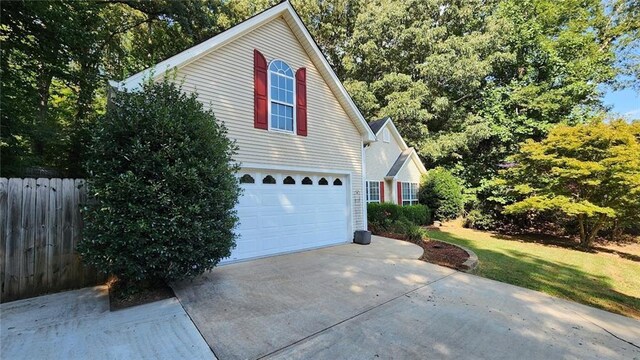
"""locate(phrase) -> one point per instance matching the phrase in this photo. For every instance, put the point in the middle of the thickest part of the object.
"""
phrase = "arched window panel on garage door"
(247, 179)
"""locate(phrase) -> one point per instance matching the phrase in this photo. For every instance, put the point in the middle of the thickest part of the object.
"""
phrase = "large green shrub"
(417, 214)
(163, 186)
(442, 193)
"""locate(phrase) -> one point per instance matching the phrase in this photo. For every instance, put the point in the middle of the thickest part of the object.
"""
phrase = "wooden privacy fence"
(40, 226)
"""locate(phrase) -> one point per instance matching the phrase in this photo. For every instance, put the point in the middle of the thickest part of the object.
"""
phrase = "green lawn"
(607, 279)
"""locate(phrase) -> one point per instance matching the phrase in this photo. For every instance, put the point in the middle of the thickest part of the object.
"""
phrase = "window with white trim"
(409, 193)
(373, 191)
(281, 96)
(386, 136)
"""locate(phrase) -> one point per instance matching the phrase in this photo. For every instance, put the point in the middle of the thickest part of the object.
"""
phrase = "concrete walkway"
(378, 301)
(78, 325)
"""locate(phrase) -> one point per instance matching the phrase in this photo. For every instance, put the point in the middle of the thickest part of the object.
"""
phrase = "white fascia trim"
(396, 133)
(383, 125)
(414, 156)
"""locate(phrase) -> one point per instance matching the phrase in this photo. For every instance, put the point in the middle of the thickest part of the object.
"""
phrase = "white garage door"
(282, 212)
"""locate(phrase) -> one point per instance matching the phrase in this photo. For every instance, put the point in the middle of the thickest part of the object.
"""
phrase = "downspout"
(364, 196)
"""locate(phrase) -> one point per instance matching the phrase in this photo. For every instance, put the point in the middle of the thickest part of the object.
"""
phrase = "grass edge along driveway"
(600, 279)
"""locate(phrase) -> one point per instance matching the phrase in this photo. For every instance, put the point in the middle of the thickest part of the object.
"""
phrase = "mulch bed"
(438, 252)
(152, 293)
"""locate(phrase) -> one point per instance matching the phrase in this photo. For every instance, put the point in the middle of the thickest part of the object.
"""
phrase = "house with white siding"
(393, 169)
(301, 138)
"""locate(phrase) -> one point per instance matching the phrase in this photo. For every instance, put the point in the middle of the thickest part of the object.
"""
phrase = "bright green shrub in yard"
(163, 185)
(442, 193)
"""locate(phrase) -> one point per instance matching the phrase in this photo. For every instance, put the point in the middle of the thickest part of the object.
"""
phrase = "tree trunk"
(583, 236)
(44, 83)
(587, 237)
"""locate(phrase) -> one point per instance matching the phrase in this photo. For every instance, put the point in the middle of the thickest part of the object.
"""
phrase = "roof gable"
(402, 160)
(386, 122)
(285, 10)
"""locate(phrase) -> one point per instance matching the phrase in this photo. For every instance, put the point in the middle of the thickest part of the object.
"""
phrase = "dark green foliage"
(401, 220)
(163, 186)
(417, 214)
(476, 219)
(379, 214)
(413, 232)
(442, 192)
(386, 213)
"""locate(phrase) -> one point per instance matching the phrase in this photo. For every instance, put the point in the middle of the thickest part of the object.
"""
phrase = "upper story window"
(386, 136)
(281, 95)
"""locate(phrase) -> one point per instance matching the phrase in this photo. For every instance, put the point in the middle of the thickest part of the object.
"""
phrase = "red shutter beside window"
(381, 191)
(399, 193)
(260, 101)
(301, 101)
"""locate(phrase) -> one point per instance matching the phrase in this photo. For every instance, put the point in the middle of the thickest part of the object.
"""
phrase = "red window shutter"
(399, 193)
(381, 191)
(260, 101)
(301, 101)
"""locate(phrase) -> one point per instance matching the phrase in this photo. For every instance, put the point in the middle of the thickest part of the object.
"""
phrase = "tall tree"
(588, 172)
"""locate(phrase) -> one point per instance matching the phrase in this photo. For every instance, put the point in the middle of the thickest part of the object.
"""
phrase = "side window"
(373, 191)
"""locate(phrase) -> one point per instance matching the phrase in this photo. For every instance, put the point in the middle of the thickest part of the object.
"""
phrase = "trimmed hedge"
(388, 212)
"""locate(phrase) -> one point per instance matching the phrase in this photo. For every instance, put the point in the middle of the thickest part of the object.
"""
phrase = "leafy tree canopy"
(590, 172)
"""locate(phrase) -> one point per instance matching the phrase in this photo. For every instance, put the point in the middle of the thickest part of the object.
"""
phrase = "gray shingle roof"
(376, 125)
(402, 158)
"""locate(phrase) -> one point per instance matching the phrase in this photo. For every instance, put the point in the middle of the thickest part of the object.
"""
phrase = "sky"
(624, 102)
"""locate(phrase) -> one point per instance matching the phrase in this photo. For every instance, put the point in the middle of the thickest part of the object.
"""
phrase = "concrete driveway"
(78, 325)
(378, 301)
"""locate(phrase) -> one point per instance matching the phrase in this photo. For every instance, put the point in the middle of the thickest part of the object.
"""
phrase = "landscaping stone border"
(471, 263)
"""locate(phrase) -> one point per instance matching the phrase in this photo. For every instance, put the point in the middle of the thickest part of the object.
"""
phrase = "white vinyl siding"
(223, 80)
(373, 191)
(410, 172)
(409, 193)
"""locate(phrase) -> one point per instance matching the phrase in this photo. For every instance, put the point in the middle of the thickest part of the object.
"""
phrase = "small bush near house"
(417, 214)
(400, 220)
(442, 193)
(162, 176)
(386, 213)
